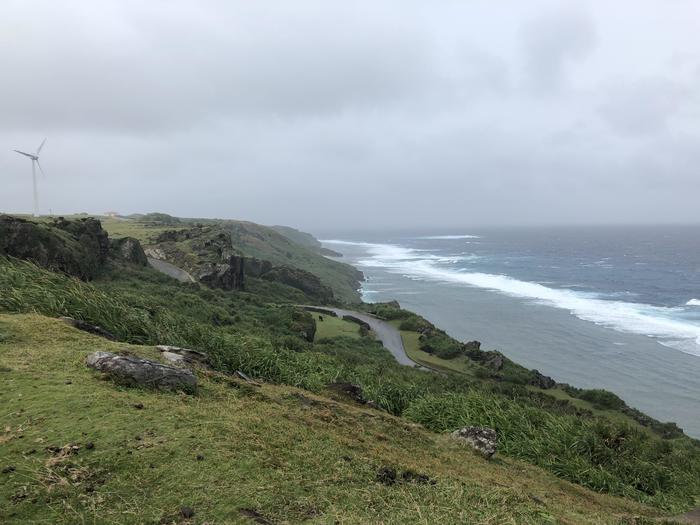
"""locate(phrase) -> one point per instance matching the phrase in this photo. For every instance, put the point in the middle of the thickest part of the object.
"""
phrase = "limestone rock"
(482, 439)
(183, 356)
(542, 381)
(226, 276)
(130, 250)
(134, 371)
(77, 247)
(256, 267)
(89, 328)
(307, 282)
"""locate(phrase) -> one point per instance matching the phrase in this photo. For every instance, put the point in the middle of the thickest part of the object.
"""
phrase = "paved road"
(171, 270)
(386, 333)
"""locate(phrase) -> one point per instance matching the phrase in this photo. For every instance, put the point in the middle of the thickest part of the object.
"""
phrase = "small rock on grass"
(482, 439)
(186, 512)
(134, 371)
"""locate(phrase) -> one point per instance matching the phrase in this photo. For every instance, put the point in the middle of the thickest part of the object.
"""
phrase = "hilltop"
(330, 427)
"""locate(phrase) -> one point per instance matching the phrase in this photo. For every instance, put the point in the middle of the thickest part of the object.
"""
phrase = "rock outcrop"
(482, 439)
(204, 252)
(76, 247)
(226, 276)
(134, 371)
(253, 267)
(89, 328)
(207, 253)
(128, 249)
(542, 381)
(183, 356)
(302, 280)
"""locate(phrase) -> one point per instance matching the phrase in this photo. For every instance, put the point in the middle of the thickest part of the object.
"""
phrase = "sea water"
(597, 307)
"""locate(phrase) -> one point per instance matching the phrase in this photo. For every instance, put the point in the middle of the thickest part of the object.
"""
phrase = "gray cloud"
(326, 114)
(554, 41)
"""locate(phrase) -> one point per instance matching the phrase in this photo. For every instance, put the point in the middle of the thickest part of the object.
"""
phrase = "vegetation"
(239, 453)
(606, 455)
(328, 327)
(588, 437)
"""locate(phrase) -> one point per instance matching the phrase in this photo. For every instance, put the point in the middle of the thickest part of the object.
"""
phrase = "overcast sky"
(378, 113)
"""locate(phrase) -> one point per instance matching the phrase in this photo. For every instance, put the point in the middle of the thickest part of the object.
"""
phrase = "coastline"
(661, 381)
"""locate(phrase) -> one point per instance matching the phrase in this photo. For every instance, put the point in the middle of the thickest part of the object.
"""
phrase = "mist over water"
(615, 308)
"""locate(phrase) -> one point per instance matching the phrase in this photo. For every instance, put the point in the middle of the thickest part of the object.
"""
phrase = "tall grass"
(601, 454)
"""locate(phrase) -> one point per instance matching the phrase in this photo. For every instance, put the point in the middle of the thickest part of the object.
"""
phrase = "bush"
(600, 454)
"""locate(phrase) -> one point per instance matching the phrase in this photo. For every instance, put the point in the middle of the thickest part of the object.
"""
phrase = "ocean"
(597, 307)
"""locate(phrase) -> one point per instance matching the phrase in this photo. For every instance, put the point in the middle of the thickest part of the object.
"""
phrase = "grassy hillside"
(239, 453)
(261, 242)
(271, 341)
(264, 243)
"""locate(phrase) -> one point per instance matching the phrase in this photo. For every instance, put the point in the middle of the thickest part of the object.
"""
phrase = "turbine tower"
(35, 163)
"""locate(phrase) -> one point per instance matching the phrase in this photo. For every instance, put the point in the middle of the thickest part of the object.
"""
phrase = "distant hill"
(270, 244)
(306, 240)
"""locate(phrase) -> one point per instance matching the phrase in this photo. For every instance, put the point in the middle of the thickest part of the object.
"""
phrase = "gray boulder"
(482, 439)
(183, 356)
(130, 250)
(134, 371)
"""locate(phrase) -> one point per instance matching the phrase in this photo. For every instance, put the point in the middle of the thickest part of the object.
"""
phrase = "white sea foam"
(654, 321)
(449, 237)
(693, 302)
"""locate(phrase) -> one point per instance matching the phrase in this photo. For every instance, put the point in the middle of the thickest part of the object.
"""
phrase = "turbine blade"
(40, 146)
(25, 154)
(40, 168)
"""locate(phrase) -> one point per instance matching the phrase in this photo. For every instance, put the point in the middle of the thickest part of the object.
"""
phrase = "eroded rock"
(183, 356)
(482, 439)
(129, 250)
(542, 381)
(134, 371)
(89, 328)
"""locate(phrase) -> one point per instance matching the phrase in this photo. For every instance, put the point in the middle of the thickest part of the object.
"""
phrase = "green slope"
(261, 242)
(265, 243)
(238, 453)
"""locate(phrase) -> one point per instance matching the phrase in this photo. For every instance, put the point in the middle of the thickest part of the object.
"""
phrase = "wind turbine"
(35, 163)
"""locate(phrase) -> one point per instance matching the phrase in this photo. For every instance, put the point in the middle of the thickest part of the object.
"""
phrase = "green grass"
(143, 231)
(275, 452)
(242, 332)
(329, 327)
(460, 365)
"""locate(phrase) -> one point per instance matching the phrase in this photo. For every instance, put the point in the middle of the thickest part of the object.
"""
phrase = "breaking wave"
(450, 237)
(637, 318)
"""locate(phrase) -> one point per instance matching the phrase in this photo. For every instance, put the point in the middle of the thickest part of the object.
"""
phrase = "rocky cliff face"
(128, 249)
(79, 248)
(301, 280)
(207, 253)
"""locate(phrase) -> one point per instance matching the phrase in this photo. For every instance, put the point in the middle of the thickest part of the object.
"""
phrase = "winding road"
(387, 333)
(171, 270)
